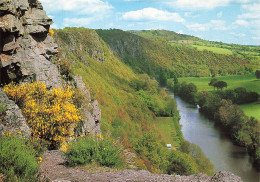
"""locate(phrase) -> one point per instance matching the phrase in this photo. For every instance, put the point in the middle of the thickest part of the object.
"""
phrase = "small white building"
(169, 146)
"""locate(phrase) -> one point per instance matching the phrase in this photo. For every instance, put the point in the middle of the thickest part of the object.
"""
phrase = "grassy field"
(216, 50)
(252, 109)
(248, 81)
(169, 130)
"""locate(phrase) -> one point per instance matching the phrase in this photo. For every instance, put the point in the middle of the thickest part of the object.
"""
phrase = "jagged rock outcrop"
(13, 120)
(26, 48)
(90, 111)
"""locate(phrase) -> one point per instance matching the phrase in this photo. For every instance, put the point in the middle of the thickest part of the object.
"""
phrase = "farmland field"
(252, 109)
(214, 49)
(248, 81)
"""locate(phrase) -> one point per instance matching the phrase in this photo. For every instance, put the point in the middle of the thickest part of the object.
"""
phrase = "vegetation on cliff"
(129, 101)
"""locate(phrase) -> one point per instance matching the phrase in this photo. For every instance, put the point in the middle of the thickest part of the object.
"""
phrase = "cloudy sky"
(229, 21)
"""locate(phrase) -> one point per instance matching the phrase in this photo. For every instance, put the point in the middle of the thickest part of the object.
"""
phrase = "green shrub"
(182, 164)
(2, 108)
(204, 164)
(151, 147)
(39, 145)
(86, 150)
(17, 159)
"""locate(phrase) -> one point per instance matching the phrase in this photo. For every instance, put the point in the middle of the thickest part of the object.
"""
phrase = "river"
(216, 146)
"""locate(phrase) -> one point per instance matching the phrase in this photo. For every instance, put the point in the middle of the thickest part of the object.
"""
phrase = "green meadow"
(216, 50)
(248, 81)
(169, 130)
(252, 109)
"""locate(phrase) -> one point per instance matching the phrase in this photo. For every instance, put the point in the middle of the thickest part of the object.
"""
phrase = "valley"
(95, 101)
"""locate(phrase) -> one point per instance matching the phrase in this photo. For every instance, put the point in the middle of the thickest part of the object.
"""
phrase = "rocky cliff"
(26, 51)
(13, 120)
(26, 48)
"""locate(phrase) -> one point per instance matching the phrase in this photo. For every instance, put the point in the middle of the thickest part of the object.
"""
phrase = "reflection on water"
(217, 147)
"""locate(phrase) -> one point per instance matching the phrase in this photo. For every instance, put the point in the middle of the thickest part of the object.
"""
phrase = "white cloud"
(77, 22)
(202, 4)
(197, 27)
(190, 15)
(152, 14)
(77, 6)
(253, 11)
(213, 24)
(219, 15)
(180, 32)
(55, 26)
(241, 22)
(238, 34)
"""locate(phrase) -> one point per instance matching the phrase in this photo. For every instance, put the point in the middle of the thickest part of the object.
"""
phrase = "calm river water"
(216, 146)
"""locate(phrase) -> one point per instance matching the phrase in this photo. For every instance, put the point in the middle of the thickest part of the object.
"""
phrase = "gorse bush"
(86, 150)
(50, 114)
(17, 159)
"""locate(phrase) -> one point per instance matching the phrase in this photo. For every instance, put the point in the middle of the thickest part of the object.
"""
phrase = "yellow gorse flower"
(49, 114)
(51, 32)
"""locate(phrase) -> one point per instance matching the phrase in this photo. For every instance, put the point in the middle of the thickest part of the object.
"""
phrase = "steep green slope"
(248, 52)
(165, 35)
(129, 102)
(160, 59)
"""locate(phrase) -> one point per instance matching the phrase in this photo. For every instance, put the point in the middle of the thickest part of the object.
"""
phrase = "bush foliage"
(18, 159)
(86, 150)
(2, 108)
(49, 114)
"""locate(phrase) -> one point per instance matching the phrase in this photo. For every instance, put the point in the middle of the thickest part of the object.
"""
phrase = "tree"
(212, 82)
(257, 74)
(220, 84)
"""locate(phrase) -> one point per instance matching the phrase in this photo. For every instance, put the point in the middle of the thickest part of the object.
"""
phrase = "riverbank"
(196, 128)
(218, 107)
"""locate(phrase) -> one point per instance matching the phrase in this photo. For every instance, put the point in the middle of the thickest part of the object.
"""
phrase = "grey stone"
(26, 49)
(90, 112)
(13, 120)
(10, 23)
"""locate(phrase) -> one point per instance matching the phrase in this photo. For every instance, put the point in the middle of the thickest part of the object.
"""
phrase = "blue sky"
(229, 21)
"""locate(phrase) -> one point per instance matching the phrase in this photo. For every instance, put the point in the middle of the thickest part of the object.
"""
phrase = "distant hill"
(249, 52)
(165, 35)
(150, 52)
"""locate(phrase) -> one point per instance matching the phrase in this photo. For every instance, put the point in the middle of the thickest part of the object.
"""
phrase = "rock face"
(90, 111)
(26, 48)
(13, 120)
